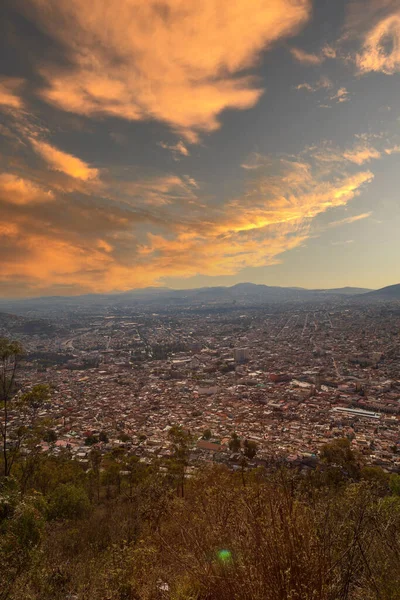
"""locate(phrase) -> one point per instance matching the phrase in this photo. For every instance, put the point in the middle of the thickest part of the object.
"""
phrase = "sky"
(185, 144)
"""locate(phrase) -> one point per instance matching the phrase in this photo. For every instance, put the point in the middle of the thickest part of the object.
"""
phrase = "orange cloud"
(248, 235)
(255, 161)
(9, 92)
(61, 161)
(45, 260)
(324, 83)
(178, 149)
(381, 47)
(349, 220)
(302, 195)
(16, 190)
(219, 254)
(273, 216)
(125, 246)
(8, 230)
(342, 95)
(314, 59)
(156, 191)
(362, 154)
(306, 58)
(393, 150)
(177, 62)
(329, 51)
(377, 24)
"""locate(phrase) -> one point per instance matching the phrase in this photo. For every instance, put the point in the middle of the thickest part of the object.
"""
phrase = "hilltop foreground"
(148, 533)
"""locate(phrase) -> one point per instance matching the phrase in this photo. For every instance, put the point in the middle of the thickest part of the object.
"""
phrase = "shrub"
(68, 502)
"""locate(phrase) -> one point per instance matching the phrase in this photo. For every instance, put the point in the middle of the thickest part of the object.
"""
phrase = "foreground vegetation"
(123, 530)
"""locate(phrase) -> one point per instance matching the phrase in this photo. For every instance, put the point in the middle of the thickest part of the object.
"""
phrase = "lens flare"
(224, 555)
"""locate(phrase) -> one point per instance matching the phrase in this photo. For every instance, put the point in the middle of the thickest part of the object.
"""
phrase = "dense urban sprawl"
(289, 378)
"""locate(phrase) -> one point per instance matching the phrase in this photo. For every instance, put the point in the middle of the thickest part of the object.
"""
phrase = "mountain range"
(242, 294)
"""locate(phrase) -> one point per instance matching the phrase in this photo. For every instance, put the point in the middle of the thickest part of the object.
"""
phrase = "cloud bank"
(133, 232)
(178, 61)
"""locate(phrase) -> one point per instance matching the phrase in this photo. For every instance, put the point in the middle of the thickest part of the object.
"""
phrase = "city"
(290, 378)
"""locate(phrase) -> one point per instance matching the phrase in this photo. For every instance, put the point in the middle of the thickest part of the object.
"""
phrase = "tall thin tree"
(10, 354)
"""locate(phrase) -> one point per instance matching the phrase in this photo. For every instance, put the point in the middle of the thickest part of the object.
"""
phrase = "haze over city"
(190, 144)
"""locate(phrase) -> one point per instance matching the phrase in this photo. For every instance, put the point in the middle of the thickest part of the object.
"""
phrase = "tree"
(249, 449)
(248, 453)
(103, 437)
(180, 446)
(394, 484)
(234, 443)
(94, 475)
(21, 534)
(30, 433)
(34, 400)
(340, 454)
(91, 440)
(377, 477)
(10, 354)
(50, 436)
(111, 476)
(134, 472)
(27, 428)
(207, 434)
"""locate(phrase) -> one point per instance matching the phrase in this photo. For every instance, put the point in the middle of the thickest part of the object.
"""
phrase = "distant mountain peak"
(390, 292)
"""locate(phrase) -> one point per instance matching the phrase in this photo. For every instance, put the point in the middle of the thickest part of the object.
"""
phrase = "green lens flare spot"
(224, 555)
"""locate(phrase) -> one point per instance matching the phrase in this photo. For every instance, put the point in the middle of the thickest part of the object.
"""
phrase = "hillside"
(118, 529)
(345, 291)
(16, 324)
(391, 292)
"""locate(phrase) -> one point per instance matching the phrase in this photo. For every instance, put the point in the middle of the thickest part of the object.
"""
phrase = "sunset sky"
(186, 143)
